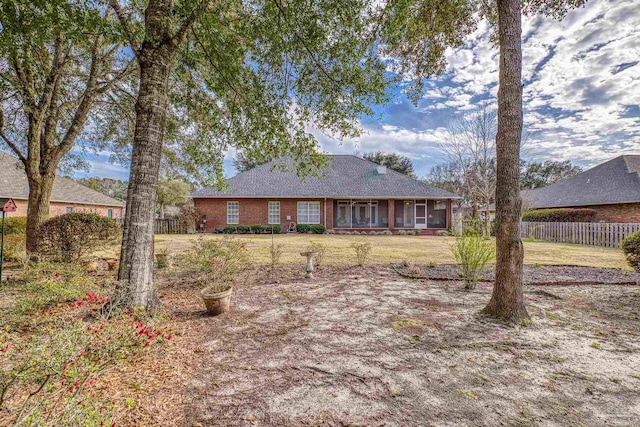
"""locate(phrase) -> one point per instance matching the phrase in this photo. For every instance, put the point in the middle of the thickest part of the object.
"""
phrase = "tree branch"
(178, 38)
(125, 26)
(8, 141)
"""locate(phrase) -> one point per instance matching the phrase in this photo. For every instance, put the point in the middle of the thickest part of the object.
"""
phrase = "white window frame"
(109, 213)
(273, 212)
(231, 206)
(304, 213)
(68, 209)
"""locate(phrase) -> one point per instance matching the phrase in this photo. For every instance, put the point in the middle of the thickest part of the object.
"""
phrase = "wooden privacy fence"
(608, 234)
(164, 226)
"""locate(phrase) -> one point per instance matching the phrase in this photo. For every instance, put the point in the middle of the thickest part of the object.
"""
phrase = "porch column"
(392, 214)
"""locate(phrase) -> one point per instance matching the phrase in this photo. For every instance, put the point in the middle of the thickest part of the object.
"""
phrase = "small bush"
(362, 250)
(321, 249)
(189, 218)
(71, 236)
(217, 261)
(303, 228)
(318, 229)
(472, 253)
(14, 247)
(560, 215)
(631, 249)
(252, 229)
(15, 225)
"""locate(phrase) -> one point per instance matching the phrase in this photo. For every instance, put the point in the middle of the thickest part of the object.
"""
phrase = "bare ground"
(367, 347)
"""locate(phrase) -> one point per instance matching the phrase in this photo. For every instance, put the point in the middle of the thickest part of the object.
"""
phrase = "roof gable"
(346, 176)
(615, 181)
(14, 184)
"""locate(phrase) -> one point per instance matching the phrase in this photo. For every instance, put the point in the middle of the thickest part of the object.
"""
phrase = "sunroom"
(384, 214)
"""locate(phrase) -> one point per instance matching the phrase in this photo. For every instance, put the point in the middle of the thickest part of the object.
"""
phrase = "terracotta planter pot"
(216, 302)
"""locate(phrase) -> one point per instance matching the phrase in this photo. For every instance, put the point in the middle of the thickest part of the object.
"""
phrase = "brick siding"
(255, 211)
(57, 208)
(623, 212)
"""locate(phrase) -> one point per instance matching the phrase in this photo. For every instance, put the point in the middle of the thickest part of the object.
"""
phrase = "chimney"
(382, 170)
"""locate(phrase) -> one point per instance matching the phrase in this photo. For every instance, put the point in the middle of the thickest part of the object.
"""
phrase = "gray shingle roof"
(14, 184)
(615, 181)
(346, 176)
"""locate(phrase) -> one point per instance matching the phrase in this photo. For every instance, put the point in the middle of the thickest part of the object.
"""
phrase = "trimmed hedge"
(68, 237)
(251, 229)
(631, 249)
(561, 215)
(311, 228)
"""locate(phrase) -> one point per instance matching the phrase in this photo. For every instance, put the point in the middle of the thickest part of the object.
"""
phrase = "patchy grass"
(396, 249)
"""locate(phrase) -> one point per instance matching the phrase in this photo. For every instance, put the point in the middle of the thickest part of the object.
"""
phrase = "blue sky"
(581, 94)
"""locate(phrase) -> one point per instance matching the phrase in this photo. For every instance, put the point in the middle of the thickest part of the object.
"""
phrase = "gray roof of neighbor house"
(346, 176)
(14, 184)
(615, 181)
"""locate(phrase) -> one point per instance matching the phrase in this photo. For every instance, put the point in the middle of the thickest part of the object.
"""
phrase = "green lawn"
(394, 249)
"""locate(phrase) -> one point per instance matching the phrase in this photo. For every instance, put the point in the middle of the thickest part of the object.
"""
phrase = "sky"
(581, 94)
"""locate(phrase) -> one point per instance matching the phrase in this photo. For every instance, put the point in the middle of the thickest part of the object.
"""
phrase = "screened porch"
(361, 214)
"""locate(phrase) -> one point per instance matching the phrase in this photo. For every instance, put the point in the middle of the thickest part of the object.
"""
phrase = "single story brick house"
(612, 189)
(66, 196)
(350, 194)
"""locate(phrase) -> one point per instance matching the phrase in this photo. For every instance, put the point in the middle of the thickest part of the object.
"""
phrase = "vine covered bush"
(631, 249)
(69, 237)
(560, 215)
(15, 225)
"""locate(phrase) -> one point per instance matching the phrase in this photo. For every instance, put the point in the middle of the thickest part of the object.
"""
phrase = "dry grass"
(396, 249)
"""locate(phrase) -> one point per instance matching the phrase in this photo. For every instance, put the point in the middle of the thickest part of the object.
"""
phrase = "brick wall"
(254, 211)
(624, 212)
(56, 208)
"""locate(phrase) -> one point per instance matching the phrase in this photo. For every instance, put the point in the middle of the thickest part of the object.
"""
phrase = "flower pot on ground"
(216, 302)
(217, 263)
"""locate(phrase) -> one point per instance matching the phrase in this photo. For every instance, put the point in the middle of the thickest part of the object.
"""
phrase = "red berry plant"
(48, 375)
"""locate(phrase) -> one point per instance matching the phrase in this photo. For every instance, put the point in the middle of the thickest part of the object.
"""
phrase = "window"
(233, 212)
(274, 212)
(69, 209)
(309, 212)
(109, 213)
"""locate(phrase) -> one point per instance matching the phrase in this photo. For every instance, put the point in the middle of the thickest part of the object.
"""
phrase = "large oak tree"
(60, 64)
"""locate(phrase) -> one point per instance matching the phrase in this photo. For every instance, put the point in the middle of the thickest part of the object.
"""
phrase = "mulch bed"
(545, 275)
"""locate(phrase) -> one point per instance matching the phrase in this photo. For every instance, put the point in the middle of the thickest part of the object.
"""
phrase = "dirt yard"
(368, 347)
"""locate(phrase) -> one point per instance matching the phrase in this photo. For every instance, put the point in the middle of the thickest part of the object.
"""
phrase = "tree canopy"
(394, 161)
(540, 174)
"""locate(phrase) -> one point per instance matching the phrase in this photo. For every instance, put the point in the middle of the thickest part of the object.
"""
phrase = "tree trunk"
(136, 257)
(507, 301)
(38, 209)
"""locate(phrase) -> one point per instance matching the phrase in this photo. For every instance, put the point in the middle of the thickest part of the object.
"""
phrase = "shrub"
(362, 250)
(15, 225)
(71, 236)
(303, 228)
(189, 217)
(560, 215)
(14, 247)
(321, 249)
(472, 253)
(252, 229)
(217, 261)
(631, 249)
(318, 229)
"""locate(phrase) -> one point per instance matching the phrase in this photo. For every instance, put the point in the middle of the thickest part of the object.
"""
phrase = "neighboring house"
(612, 189)
(350, 194)
(66, 196)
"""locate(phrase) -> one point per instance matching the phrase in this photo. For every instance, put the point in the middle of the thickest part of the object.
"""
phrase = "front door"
(421, 214)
